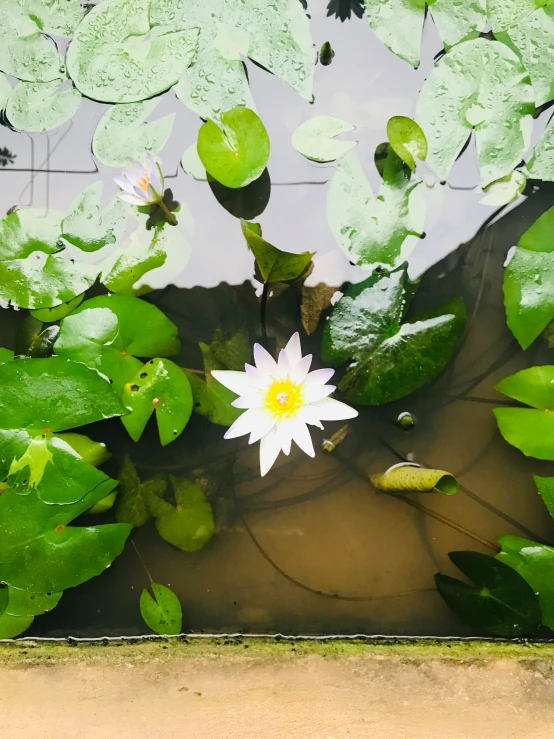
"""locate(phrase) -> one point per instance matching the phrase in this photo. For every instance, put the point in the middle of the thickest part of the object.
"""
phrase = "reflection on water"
(312, 548)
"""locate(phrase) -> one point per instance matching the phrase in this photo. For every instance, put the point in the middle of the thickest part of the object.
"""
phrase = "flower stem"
(263, 308)
(168, 214)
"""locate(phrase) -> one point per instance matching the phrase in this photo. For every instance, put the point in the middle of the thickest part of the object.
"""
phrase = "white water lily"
(281, 400)
(141, 184)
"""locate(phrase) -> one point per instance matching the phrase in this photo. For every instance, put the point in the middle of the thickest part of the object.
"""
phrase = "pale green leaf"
(25, 52)
(407, 140)
(192, 164)
(314, 138)
(541, 164)
(85, 227)
(41, 106)
(505, 190)
(51, 315)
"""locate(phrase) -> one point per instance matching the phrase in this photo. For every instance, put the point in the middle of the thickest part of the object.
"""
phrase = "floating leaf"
(483, 85)
(529, 282)
(535, 563)
(41, 106)
(86, 228)
(389, 359)
(32, 274)
(192, 164)
(505, 190)
(118, 55)
(373, 230)
(545, 486)
(93, 452)
(314, 139)
(12, 626)
(314, 301)
(132, 501)
(25, 52)
(504, 14)
(6, 355)
(502, 603)
(412, 478)
(63, 556)
(122, 134)
(399, 23)
(541, 164)
(237, 153)
(22, 603)
(161, 386)
(529, 429)
(189, 525)
(59, 17)
(407, 140)
(162, 613)
(274, 265)
(51, 315)
(110, 331)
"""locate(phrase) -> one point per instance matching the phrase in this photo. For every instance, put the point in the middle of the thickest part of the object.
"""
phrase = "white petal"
(153, 195)
(144, 196)
(130, 198)
(256, 377)
(156, 182)
(284, 433)
(329, 409)
(269, 451)
(301, 436)
(318, 377)
(293, 349)
(251, 399)
(238, 382)
(283, 364)
(317, 392)
(299, 371)
(245, 424)
(265, 423)
(124, 184)
(264, 360)
(308, 414)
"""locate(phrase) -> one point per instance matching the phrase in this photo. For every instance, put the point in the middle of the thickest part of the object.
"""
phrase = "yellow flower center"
(143, 183)
(284, 398)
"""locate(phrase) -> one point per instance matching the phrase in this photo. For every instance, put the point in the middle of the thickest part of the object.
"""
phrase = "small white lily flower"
(141, 184)
(281, 399)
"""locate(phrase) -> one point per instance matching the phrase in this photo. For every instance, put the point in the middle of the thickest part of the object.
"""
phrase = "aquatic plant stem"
(168, 214)
(263, 308)
(142, 561)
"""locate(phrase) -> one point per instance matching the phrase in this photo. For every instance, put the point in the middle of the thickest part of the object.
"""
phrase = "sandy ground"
(275, 696)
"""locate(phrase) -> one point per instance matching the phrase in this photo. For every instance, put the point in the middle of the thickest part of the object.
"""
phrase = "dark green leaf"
(132, 501)
(411, 478)
(274, 265)
(389, 359)
(33, 340)
(159, 385)
(88, 229)
(12, 626)
(502, 603)
(4, 597)
(237, 153)
(51, 315)
(407, 140)
(162, 613)
(23, 603)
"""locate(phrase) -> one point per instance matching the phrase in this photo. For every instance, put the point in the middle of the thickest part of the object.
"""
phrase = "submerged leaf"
(86, 228)
(132, 501)
(407, 140)
(314, 301)
(237, 153)
(529, 429)
(123, 136)
(314, 138)
(501, 604)
(274, 265)
(162, 613)
(412, 478)
(388, 359)
(371, 230)
(479, 84)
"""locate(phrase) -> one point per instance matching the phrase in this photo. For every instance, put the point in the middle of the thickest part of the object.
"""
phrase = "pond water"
(312, 548)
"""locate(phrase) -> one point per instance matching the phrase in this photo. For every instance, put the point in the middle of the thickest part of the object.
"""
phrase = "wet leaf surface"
(36, 107)
(51, 315)
(85, 227)
(314, 138)
(412, 478)
(162, 613)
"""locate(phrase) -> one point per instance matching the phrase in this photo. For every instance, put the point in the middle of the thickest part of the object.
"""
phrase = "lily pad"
(535, 563)
(505, 190)
(93, 452)
(529, 282)
(22, 603)
(238, 152)
(162, 613)
(32, 273)
(12, 626)
(63, 556)
(371, 230)
(25, 52)
(188, 525)
(123, 136)
(529, 429)
(504, 14)
(479, 85)
(274, 265)
(314, 139)
(545, 486)
(86, 228)
(192, 164)
(132, 501)
(541, 164)
(389, 359)
(59, 17)
(110, 331)
(51, 315)
(501, 603)
(407, 140)
(32, 339)
(6, 355)
(41, 106)
(118, 56)
(412, 478)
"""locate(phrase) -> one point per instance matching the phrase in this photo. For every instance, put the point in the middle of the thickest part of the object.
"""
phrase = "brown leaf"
(314, 301)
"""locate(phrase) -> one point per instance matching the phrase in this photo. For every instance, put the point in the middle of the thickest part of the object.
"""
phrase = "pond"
(312, 547)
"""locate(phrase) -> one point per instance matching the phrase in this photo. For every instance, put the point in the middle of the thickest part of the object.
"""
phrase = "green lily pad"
(32, 273)
(93, 452)
(504, 14)
(274, 265)
(63, 556)
(529, 282)
(529, 429)
(110, 331)
(25, 52)
(59, 17)
(22, 603)
(6, 355)
(371, 230)
(158, 386)
(41, 106)
(118, 56)
(314, 139)
(52, 315)
(407, 140)
(4, 597)
(389, 359)
(545, 486)
(123, 136)
(12, 626)
(237, 153)
(535, 563)
(505, 190)
(541, 164)
(479, 85)
(411, 478)
(501, 603)
(161, 613)
(132, 501)
(188, 525)
(86, 228)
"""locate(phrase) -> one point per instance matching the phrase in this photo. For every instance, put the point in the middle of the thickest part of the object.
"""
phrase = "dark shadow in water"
(343, 9)
(244, 202)
(6, 157)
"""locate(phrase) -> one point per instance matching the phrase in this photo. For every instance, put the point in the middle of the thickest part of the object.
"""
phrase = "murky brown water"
(312, 548)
